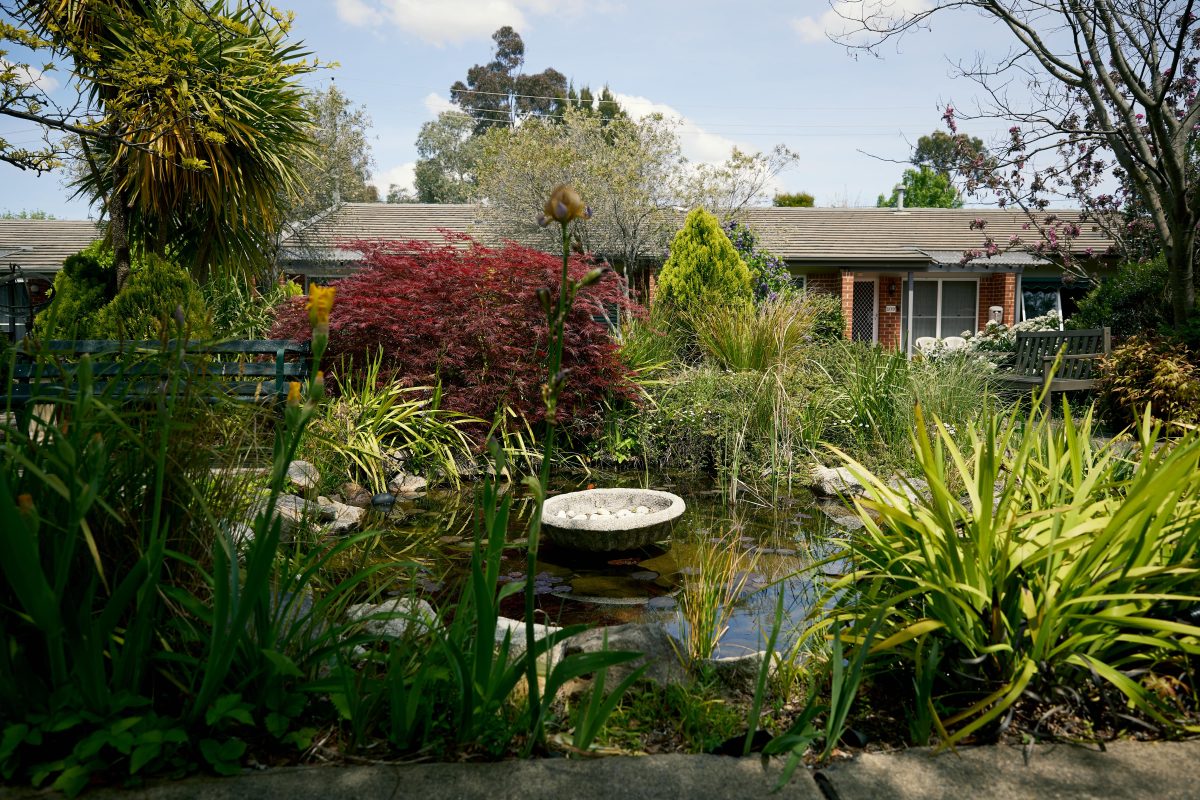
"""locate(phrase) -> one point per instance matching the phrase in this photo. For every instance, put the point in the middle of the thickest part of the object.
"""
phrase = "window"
(941, 307)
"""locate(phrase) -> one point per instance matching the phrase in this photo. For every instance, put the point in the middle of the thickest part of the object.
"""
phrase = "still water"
(774, 541)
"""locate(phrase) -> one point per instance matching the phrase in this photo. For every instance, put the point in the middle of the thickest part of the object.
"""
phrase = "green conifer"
(703, 269)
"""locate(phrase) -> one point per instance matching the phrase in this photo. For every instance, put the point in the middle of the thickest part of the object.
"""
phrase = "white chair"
(926, 344)
(954, 342)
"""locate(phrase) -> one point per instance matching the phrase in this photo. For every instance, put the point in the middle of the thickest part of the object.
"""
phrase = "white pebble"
(603, 512)
(623, 512)
(641, 510)
(561, 513)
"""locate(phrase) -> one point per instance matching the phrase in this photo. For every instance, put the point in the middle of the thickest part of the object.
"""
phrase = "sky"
(750, 74)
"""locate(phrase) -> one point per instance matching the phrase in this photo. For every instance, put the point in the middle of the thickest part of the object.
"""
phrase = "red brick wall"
(889, 322)
(824, 283)
(847, 292)
(998, 289)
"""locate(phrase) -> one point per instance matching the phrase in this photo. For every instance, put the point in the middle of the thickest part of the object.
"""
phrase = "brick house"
(879, 261)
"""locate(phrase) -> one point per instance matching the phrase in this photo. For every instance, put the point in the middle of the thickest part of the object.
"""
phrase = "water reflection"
(782, 536)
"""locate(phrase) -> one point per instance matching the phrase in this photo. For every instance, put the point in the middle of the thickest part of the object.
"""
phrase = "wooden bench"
(255, 370)
(1038, 350)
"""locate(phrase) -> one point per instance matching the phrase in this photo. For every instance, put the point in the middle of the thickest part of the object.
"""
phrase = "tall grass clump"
(1066, 571)
(370, 418)
(755, 338)
(723, 572)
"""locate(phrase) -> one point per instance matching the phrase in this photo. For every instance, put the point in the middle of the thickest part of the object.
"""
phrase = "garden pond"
(759, 545)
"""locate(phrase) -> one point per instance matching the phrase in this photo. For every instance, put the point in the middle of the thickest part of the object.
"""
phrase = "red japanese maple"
(468, 316)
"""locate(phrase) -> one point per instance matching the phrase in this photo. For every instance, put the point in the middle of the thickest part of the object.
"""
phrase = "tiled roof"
(41, 245)
(842, 236)
(845, 235)
(381, 221)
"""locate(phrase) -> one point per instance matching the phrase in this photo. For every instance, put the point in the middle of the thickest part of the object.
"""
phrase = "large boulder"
(834, 482)
(514, 631)
(346, 519)
(395, 618)
(664, 654)
(355, 495)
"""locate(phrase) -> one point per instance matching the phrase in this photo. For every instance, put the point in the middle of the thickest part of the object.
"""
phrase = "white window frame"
(940, 279)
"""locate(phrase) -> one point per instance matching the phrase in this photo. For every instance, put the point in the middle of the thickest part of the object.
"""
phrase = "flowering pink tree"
(1111, 94)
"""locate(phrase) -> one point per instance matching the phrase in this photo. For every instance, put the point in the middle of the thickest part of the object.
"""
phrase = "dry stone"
(834, 482)
(403, 484)
(303, 475)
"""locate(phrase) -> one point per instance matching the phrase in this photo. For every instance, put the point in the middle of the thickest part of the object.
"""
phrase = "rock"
(514, 629)
(739, 674)
(242, 533)
(659, 649)
(303, 475)
(912, 488)
(383, 501)
(404, 614)
(293, 512)
(355, 495)
(841, 516)
(404, 485)
(835, 482)
(346, 518)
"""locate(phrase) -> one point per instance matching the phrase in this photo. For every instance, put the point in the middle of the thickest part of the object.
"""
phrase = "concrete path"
(1161, 770)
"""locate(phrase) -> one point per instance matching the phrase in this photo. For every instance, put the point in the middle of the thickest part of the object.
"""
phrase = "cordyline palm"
(201, 128)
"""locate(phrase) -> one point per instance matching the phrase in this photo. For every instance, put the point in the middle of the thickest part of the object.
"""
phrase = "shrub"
(85, 284)
(1036, 563)
(769, 274)
(1134, 300)
(87, 304)
(153, 291)
(467, 316)
(829, 323)
(703, 270)
(1154, 371)
(240, 310)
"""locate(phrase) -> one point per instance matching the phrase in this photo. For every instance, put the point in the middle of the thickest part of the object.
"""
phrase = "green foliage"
(792, 200)
(703, 271)
(26, 214)
(499, 90)
(447, 152)
(829, 321)
(85, 284)
(370, 418)
(747, 337)
(947, 154)
(923, 188)
(240, 310)
(86, 307)
(341, 163)
(156, 288)
(1150, 371)
(1036, 562)
(1133, 301)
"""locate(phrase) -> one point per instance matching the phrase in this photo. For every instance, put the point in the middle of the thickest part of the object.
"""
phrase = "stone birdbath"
(601, 520)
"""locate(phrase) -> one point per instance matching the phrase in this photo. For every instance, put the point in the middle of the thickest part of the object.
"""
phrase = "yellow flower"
(320, 303)
(293, 398)
(563, 206)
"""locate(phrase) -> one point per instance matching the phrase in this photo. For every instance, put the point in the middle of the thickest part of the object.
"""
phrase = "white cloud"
(358, 13)
(435, 104)
(403, 176)
(40, 79)
(441, 22)
(698, 144)
(839, 19)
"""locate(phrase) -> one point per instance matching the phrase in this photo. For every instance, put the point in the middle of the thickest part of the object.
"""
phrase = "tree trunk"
(1180, 255)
